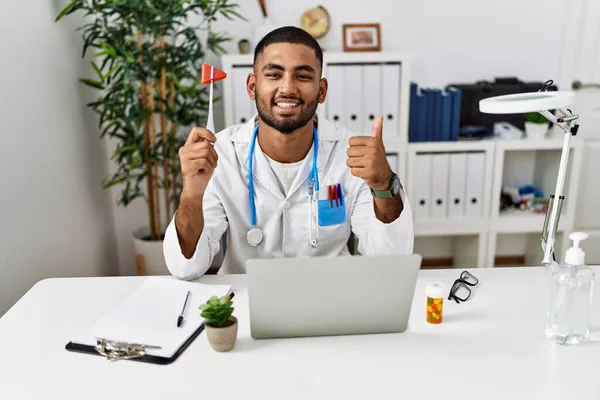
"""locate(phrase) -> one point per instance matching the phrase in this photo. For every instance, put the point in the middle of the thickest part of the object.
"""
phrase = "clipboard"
(169, 294)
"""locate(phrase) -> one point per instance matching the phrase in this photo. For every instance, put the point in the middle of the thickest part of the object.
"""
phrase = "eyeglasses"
(460, 290)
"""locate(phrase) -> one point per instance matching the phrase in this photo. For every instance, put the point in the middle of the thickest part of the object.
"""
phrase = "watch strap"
(385, 194)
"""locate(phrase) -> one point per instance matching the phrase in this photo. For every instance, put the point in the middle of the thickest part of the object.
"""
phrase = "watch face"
(396, 185)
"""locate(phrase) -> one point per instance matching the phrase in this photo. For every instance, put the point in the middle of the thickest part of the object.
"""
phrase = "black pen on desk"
(180, 318)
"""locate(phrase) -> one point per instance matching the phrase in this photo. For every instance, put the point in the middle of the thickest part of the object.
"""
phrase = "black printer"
(474, 122)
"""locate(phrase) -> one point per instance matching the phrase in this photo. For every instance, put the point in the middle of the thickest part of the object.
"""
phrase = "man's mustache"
(288, 98)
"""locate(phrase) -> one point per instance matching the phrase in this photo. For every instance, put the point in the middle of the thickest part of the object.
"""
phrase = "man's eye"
(272, 75)
(304, 77)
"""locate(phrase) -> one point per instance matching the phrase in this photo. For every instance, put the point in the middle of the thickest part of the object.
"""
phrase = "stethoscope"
(256, 235)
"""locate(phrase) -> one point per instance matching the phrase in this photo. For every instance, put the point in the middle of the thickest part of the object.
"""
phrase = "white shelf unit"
(468, 242)
(531, 162)
(462, 238)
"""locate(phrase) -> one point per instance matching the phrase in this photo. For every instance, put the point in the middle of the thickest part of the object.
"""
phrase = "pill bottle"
(435, 302)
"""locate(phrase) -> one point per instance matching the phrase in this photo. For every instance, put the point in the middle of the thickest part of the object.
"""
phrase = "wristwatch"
(393, 191)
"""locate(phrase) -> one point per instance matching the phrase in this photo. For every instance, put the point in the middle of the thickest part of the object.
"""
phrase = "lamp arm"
(568, 124)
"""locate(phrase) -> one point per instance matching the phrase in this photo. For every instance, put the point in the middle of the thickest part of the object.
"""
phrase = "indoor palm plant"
(147, 63)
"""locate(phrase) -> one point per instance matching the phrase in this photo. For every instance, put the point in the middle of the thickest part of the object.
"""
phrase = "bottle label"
(434, 310)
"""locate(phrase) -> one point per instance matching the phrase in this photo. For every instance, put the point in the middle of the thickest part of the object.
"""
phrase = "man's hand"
(367, 160)
(198, 161)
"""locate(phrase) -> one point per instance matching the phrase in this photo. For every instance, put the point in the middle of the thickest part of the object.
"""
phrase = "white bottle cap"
(575, 255)
(435, 290)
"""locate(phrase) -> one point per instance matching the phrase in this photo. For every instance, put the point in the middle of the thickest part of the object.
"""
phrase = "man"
(256, 182)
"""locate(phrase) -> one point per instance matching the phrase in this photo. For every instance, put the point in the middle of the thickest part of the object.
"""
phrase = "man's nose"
(288, 86)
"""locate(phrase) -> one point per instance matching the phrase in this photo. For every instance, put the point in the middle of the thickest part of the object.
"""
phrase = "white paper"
(149, 315)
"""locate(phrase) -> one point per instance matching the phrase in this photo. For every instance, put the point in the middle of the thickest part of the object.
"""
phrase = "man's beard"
(287, 125)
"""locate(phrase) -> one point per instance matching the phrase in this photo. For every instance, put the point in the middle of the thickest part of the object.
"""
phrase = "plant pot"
(535, 130)
(222, 338)
(149, 256)
(244, 46)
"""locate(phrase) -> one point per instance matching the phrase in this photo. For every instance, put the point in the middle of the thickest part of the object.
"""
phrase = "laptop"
(327, 296)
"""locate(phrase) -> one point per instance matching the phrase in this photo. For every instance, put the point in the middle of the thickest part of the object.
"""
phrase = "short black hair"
(289, 34)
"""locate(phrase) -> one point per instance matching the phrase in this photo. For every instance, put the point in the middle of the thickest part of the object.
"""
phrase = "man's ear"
(322, 90)
(251, 86)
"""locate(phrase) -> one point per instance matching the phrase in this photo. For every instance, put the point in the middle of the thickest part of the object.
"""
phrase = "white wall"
(450, 41)
(55, 218)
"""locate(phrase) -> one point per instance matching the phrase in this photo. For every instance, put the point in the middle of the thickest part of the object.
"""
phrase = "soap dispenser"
(571, 290)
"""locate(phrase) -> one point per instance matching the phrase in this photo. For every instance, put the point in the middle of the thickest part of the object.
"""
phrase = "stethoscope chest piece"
(255, 236)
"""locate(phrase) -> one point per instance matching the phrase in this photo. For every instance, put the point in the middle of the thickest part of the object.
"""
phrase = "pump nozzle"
(575, 255)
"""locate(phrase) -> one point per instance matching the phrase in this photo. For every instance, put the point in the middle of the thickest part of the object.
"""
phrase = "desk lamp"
(542, 102)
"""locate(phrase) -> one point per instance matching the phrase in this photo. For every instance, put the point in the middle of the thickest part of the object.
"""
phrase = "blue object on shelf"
(531, 189)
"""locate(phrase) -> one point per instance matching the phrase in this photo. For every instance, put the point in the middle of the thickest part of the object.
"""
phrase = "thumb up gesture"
(367, 160)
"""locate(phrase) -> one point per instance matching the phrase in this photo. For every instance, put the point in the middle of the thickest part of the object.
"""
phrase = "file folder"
(335, 93)
(475, 177)
(423, 111)
(439, 185)
(446, 118)
(422, 189)
(458, 185)
(413, 123)
(353, 100)
(436, 116)
(147, 321)
(372, 97)
(391, 97)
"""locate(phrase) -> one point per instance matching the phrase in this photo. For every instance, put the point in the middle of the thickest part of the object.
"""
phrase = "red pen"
(335, 195)
(330, 195)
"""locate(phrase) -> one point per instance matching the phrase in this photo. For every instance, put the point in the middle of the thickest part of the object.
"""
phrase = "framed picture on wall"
(362, 37)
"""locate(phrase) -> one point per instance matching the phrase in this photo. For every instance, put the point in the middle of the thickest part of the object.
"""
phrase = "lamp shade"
(526, 102)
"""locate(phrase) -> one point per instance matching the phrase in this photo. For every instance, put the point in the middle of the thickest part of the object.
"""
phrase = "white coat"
(284, 220)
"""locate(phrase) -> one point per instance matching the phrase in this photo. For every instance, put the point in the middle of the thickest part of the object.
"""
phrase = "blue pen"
(339, 187)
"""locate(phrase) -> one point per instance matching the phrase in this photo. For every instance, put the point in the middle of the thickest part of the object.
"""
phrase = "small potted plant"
(536, 125)
(221, 327)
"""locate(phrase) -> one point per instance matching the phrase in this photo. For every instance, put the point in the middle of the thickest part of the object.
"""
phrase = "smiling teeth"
(286, 105)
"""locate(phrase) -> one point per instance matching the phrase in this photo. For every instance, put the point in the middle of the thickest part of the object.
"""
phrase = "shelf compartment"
(451, 251)
(514, 220)
(462, 226)
(521, 249)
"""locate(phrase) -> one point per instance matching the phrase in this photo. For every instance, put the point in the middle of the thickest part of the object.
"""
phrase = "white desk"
(491, 347)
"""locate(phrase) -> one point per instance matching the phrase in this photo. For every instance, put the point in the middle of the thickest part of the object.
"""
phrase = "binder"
(446, 119)
(144, 326)
(456, 95)
(439, 185)
(422, 189)
(353, 106)
(475, 176)
(335, 93)
(413, 125)
(458, 185)
(429, 111)
(436, 116)
(390, 103)
(242, 111)
(371, 83)
(423, 111)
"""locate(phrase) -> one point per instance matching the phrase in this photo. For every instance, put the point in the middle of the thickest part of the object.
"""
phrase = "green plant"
(535, 117)
(216, 311)
(147, 63)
